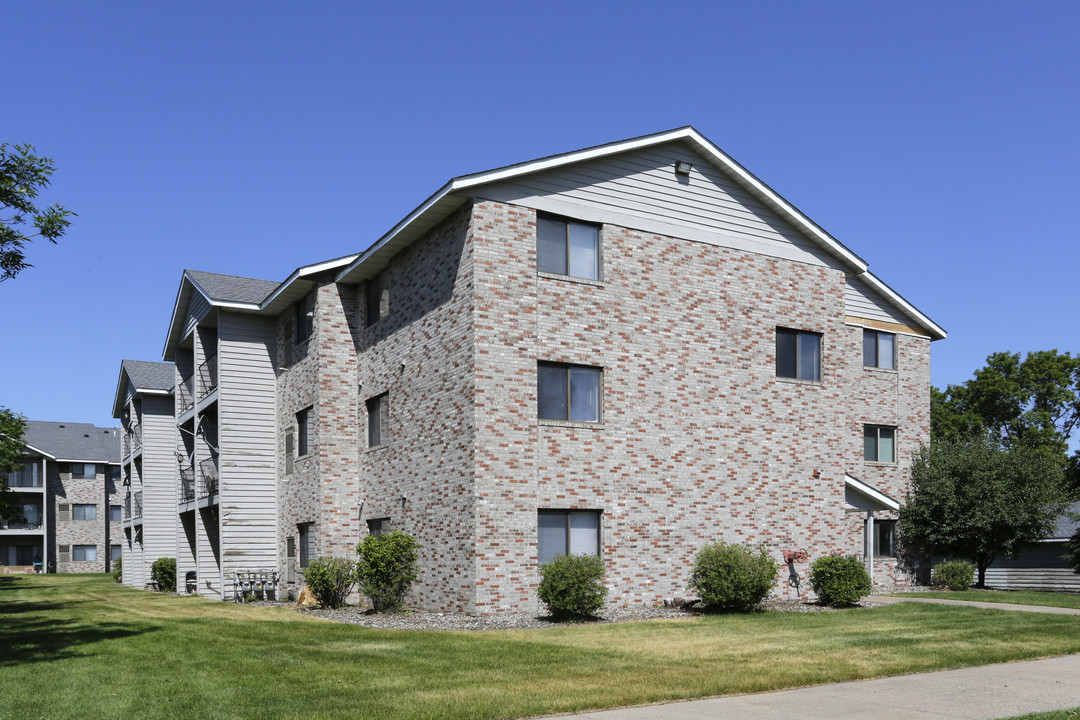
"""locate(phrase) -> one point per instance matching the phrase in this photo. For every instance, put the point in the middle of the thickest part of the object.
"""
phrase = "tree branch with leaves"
(23, 175)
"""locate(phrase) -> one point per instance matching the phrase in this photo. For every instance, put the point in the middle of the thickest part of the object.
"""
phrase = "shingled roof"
(145, 375)
(230, 288)
(74, 441)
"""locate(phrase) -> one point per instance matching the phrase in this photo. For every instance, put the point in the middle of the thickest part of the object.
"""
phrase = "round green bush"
(570, 586)
(955, 575)
(331, 580)
(839, 580)
(732, 578)
(163, 572)
(387, 569)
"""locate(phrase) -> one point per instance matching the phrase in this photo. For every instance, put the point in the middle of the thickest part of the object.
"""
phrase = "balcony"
(187, 481)
(185, 391)
(138, 505)
(208, 473)
(208, 376)
(133, 438)
(127, 506)
(27, 476)
(23, 524)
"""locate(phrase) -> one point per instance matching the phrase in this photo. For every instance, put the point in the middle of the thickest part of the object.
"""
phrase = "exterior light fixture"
(683, 168)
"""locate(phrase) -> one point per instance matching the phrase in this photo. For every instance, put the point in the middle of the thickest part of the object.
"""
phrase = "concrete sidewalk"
(914, 597)
(990, 691)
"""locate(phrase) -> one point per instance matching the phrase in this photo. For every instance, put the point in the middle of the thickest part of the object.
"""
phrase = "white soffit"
(871, 498)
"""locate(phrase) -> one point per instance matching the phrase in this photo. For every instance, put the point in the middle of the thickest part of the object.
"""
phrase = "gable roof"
(244, 294)
(153, 378)
(77, 442)
(458, 191)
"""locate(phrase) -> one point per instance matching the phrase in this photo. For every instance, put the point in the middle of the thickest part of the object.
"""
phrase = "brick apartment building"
(67, 489)
(629, 350)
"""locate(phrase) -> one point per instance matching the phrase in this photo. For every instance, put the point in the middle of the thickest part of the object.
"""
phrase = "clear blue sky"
(939, 141)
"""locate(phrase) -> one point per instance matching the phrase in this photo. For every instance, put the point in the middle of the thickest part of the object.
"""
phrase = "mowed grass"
(1017, 597)
(81, 646)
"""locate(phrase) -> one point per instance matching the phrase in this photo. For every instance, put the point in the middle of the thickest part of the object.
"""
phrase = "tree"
(978, 500)
(12, 427)
(22, 176)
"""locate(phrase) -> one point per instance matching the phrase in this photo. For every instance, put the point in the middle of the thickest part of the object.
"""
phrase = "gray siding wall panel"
(863, 302)
(640, 190)
(198, 308)
(159, 469)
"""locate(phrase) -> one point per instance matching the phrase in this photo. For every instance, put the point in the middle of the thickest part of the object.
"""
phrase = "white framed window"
(798, 354)
(83, 512)
(879, 349)
(566, 532)
(566, 247)
(568, 392)
(879, 444)
(378, 410)
(885, 537)
(84, 553)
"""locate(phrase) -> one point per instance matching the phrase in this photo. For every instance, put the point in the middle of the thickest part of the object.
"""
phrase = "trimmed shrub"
(732, 578)
(117, 570)
(387, 569)
(570, 586)
(163, 572)
(331, 580)
(839, 580)
(955, 575)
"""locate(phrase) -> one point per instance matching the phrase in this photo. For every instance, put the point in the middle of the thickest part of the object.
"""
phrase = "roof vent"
(86, 434)
(61, 425)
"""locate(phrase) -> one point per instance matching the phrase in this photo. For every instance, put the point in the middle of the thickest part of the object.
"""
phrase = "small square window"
(83, 471)
(879, 349)
(568, 392)
(305, 318)
(115, 552)
(378, 409)
(304, 435)
(879, 444)
(84, 553)
(378, 526)
(84, 512)
(565, 247)
(116, 513)
(307, 543)
(563, 532)
(798, 354)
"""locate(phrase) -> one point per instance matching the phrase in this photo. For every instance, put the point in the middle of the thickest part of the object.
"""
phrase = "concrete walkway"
(986, 692)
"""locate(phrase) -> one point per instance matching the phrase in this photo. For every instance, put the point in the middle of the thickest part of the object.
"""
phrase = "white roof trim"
(308, 270)
(876, 495)
(39, 452)
(898, 300)
(87, 460)
(791, 213)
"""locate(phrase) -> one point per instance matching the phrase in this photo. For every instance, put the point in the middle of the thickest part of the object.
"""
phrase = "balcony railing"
(27, 476)
(208, 376)
(186, 392)
(138, 504)
(20, 525)
(208, 473)
(187, 482)
(127, 506)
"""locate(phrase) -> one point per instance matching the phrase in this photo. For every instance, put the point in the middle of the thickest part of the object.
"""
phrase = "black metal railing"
(127, 506)
(208, 472)
(187, 483)
(138, 504)
(208, 375)
(20, 525)
(185, 391)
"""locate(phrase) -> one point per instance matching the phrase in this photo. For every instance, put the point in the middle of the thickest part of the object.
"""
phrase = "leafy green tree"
(977, 500)
(386, 569)
(22, 176)
(12, 427)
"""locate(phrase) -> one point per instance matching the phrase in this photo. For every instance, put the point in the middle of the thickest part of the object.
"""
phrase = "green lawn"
(1073, 714)
(78, 646)
(1019, 597)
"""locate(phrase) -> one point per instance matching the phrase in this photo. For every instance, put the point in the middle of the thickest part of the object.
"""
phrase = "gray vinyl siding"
(640, 190)
(861, 301)
(248, 440)
(197, 310)
(159, 478)
(1041, 568)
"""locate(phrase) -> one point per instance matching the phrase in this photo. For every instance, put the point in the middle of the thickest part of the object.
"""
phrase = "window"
(568, 392)
(84, 471)
(84, 512)
(378, 299)
(798, 354)
(378, 409)
(885, 537)
(290, 450)
(305, 318)
(879, 444)
(879, 349)
(378, 526)
(25, 476)
(564, 247)
(562, 532)
(115, 552)
(307, 543)
(85, 553)
(116, 513)
(303, 431)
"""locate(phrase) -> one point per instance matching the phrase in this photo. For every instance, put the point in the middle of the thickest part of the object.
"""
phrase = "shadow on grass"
(45, 640)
